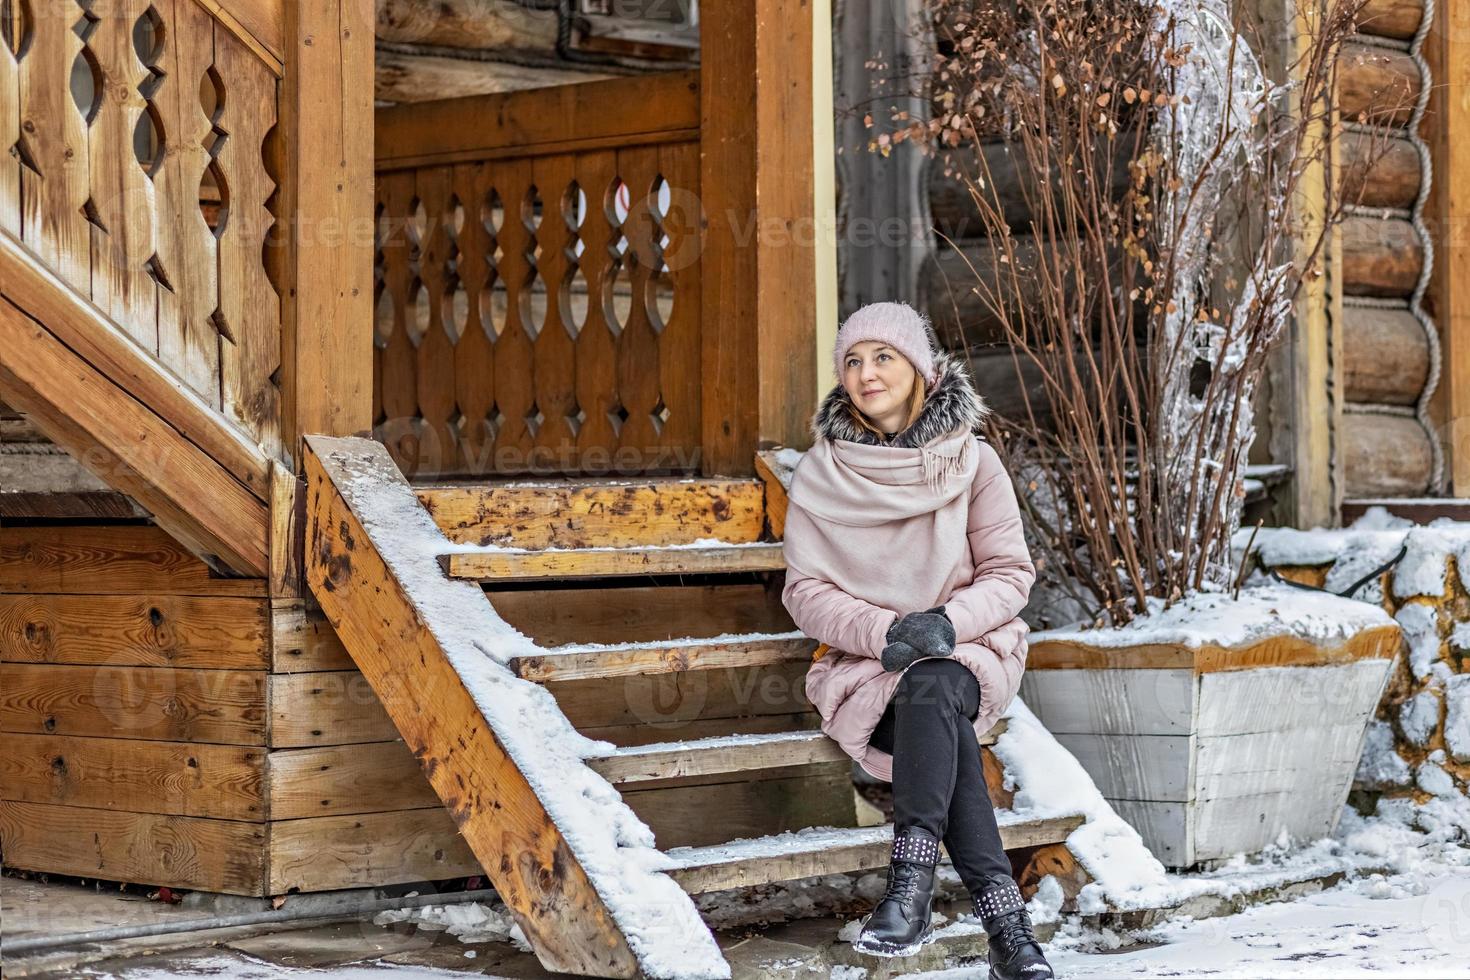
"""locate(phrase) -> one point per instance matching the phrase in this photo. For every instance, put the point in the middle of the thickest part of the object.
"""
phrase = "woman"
(905, 556)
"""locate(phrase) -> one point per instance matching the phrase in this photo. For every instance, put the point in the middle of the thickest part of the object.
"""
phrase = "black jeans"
(938, 779)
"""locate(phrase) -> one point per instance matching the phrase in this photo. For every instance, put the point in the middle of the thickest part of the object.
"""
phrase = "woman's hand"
(916, 635)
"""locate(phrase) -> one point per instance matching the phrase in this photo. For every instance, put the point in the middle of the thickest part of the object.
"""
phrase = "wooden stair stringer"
(94, 392)
(566, 854)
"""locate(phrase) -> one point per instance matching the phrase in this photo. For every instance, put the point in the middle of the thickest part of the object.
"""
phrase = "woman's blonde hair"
(916, 405)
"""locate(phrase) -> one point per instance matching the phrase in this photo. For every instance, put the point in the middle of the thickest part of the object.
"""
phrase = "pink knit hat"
(898, 325)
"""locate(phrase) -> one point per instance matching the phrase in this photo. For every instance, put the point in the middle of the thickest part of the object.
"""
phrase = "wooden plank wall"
(194, 727)
(213, 738)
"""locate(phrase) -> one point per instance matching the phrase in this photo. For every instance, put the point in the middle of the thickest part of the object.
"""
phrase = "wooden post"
(824, 205)
(1304, 417)
(1447, 214)
(759, 278)
(325, 157)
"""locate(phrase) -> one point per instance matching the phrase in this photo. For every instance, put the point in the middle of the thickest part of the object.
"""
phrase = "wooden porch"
(329, 376)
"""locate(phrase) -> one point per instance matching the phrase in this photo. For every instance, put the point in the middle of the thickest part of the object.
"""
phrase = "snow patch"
(1457, 717)
(1419, 717)
(1420, 623)
(1381, 767)
(1214, 618)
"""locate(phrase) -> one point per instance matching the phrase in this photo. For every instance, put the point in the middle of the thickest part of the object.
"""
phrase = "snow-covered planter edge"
(1218, 724)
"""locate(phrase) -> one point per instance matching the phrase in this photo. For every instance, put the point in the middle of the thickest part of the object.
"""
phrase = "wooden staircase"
(412, 579)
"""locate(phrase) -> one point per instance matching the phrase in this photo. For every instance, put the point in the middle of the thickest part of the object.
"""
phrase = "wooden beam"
(128, 446)
(1446, 129)
(327, 203)
(408, 628)
(258, 24)
(759, 265)
(417, 76)
(500, 25)
(1302, 423)
(562, 119)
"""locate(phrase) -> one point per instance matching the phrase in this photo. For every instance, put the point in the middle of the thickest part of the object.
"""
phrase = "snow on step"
(827, 850)
(707, 555)
(724, 753)
(581, 660)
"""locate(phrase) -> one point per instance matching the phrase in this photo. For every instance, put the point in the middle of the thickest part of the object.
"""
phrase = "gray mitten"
(918, 634)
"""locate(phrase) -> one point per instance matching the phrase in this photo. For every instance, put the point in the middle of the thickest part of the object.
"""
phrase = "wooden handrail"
(91, 391)
(259, 24)
(104, 345)
(640, 110)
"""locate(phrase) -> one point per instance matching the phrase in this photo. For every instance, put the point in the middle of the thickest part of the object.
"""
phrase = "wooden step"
(488, 747)
(712, 756)
(824, 850)
(581, 661)
(726, 754)
(502, 564)
(597, 512)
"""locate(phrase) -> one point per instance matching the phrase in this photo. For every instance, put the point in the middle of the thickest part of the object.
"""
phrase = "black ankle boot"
(1014, 952)
(902, 921)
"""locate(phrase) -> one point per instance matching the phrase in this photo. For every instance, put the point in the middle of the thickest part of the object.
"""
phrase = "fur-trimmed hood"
(953, 402)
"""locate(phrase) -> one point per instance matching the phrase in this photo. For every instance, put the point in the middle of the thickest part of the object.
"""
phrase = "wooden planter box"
(1209, 750)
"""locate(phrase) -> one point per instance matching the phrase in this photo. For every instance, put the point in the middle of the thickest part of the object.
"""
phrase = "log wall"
(1390, 347)
(1389, 357)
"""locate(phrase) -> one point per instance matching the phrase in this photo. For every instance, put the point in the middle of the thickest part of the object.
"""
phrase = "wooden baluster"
(474, 355)
(122, 193)
(434, 360)
(514, 358)
(638, 347)
(678, 342)
(555, 368)
(9, 119)
(54, 134)
(400, 398)
(596, 344)
(249, 315)
(187, 251)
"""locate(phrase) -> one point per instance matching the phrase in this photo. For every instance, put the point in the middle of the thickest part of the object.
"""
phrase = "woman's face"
(879, 380)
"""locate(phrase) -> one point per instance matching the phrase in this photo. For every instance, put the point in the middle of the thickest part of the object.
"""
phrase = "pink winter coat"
(984, 586)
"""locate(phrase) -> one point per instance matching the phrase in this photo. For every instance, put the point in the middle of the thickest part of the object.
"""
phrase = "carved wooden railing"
(133, 165)
(537, 281)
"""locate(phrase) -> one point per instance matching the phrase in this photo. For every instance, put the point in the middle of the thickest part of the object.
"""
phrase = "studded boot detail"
(1014, 952)
(903, 920)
